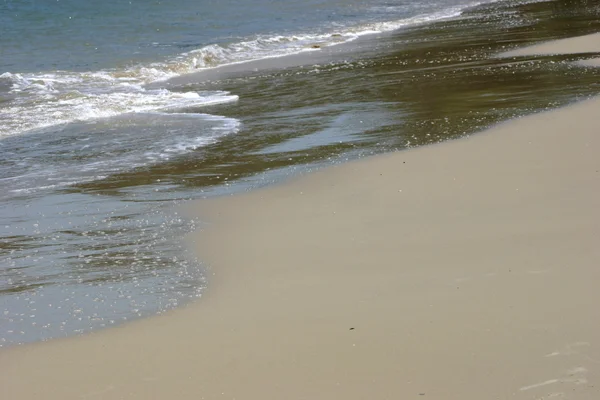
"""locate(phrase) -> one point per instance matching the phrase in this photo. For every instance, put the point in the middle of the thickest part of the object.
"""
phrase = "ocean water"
(113, 114)
(73, 60)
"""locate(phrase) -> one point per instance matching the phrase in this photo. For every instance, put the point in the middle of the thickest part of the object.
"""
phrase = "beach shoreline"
(462, 270)
(93, 235)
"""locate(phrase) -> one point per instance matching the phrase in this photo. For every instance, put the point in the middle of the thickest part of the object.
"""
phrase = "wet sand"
(465, 270)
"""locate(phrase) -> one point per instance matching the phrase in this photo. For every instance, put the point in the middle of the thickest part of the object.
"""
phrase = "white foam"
(52, 99)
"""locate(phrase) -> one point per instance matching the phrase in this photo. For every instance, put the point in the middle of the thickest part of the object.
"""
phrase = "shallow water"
(90, 232)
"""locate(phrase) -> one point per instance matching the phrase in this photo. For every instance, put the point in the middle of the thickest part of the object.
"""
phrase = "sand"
(594, 62)
(461, 271)
(575, 45)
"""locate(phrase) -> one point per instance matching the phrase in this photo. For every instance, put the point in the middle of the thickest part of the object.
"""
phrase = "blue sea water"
(49, 35)
(83, 98)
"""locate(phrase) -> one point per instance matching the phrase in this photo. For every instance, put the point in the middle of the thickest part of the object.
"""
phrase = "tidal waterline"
(90, 254)
(423, 85)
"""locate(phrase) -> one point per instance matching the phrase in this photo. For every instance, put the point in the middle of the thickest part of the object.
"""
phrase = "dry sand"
(594, 62)
(575, 45)
(461, 271)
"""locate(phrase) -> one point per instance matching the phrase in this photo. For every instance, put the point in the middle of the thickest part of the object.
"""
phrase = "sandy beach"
(580, 44)
(466, 270)
(594, 62)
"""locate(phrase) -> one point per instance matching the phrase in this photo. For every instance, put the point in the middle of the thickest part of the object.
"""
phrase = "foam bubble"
(45, 100)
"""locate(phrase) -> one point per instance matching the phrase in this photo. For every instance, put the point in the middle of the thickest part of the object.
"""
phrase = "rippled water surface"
(98, 148)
